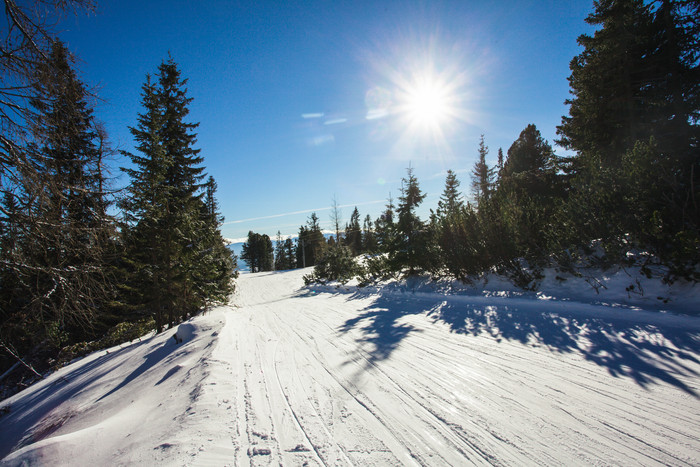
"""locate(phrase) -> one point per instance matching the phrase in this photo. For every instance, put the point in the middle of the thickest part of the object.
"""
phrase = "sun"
(427, 104)
(423, 94)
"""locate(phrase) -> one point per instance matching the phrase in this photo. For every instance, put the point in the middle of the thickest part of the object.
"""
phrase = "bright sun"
(427, 104)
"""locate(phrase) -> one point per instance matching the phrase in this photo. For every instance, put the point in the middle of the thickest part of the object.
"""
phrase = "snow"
(416, 373)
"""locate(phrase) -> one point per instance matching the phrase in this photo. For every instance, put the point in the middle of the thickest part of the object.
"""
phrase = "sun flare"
(427, 104)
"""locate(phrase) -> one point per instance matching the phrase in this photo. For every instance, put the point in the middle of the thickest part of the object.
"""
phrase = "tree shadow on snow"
(646, 353)
(643, 352)
(380, 327)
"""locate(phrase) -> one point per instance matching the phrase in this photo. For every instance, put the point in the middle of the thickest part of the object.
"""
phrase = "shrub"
(337, 264)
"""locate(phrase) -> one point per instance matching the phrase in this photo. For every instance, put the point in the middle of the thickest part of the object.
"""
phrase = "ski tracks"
(302, 389)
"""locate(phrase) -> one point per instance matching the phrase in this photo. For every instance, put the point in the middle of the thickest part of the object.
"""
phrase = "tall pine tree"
(164, 209)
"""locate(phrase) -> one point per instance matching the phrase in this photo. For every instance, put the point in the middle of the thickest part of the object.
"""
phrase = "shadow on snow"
(643, 352)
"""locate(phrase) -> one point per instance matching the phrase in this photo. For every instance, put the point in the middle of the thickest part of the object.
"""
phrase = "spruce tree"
(311, 243)
(291, 257)
(451, 199)
(163, 205)
(530, 154)
(482, 175)
(410, 229)
(336, 218)
(214, 264)
(281, 262)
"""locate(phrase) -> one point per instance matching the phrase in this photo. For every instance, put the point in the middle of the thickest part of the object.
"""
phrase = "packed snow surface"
(290, 375)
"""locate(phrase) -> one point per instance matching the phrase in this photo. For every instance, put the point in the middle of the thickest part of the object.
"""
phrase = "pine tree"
(301, 255)
(163, 204)
(353, 233)
(281, 260)
(385, 228)
(291, 257)
(528, 192)
(409, 228)
(54, 262)
(311, 243)
(634, 110)
(637, 77)
(451, 199)
(336, 218)
(258, 252)
(214, 263)
(530, 153)
(250, 252)
(482, 175)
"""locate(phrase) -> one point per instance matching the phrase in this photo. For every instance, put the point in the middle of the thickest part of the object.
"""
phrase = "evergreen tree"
(451, 199)
(55, 232)
(302, 240)
(529, 153)
(291, 257)
(527, 195)
(385, 228)
(214, 262)
(266, 254)
(336, 218)
(482, 175)
(500, 162)
(410, 229)
(279, 252)
(369, 238)
(283, 253)
(258, 252)
(163, 204)
(634, 110)
(353, 233)
(311, 243)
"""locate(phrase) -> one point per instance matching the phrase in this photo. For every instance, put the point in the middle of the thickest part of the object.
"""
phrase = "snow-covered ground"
(399, 375)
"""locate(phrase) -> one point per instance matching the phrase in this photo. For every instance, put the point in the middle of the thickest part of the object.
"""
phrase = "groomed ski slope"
(290, 375)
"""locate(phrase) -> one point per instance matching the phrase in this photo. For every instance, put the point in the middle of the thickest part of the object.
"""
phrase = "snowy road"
(337, 378)
(320, 376)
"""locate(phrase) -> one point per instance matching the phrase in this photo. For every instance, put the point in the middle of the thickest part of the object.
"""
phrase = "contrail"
(240, 221)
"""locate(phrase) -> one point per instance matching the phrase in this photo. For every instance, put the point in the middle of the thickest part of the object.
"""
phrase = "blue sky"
(303, 102)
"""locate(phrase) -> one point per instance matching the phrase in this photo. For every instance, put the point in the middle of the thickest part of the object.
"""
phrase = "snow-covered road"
(323, 376)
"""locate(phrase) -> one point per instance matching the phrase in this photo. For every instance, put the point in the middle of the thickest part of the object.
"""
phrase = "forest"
(86, 265)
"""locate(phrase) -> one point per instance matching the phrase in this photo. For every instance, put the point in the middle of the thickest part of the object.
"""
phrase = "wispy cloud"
(305, 211)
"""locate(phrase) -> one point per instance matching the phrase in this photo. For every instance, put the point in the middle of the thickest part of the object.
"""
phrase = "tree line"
(78, 257)
(629, 192)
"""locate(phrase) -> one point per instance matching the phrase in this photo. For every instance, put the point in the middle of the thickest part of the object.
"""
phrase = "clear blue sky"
(301, 102)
